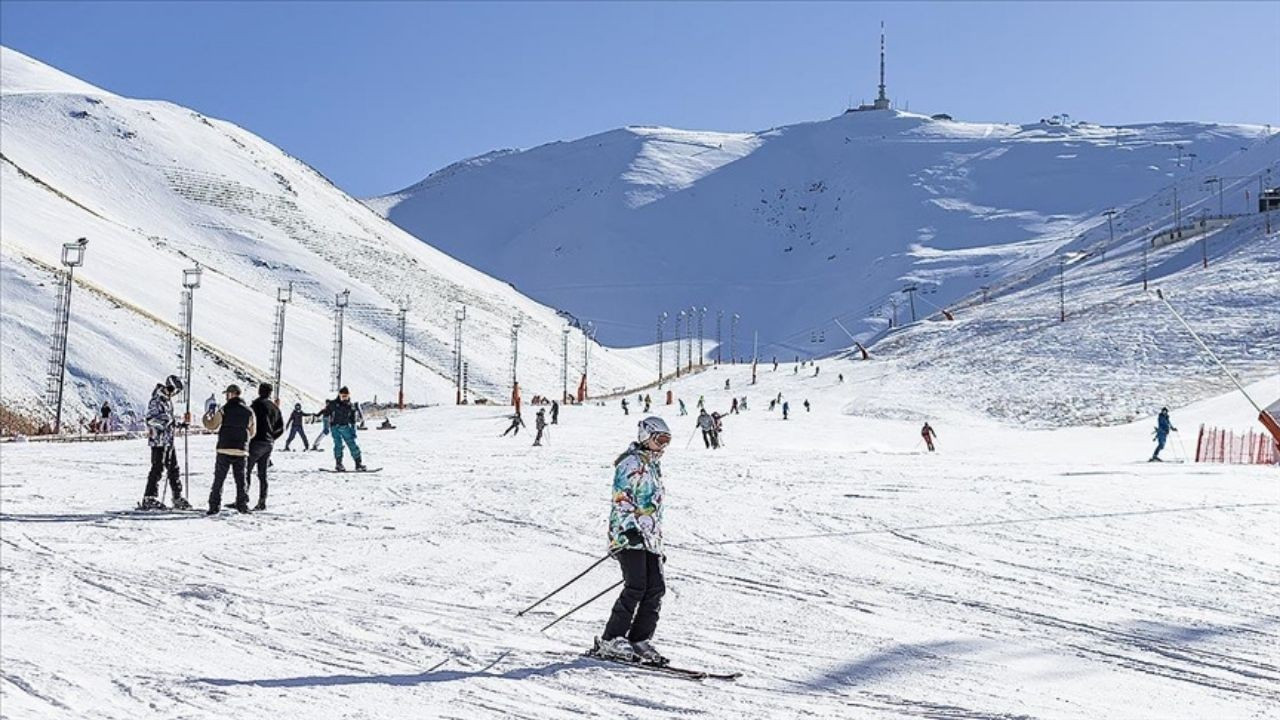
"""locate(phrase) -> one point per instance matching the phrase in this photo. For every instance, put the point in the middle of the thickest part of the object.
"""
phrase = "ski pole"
(573, 580)
(592, 599)
(690, 440)
(165, 468)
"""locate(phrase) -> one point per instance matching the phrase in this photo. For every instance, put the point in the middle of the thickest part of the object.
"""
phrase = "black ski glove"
(633, 537)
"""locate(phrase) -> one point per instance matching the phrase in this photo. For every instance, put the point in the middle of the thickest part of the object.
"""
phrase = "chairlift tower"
(284, 296)
(403, 321)
(564, 365)
(679, 339)
(515, 358)
(719, 345)
(662, 320)
(190, 281)
(459, 365)
(340, 302)
(72, 258)
(588, 335)
(688, 334)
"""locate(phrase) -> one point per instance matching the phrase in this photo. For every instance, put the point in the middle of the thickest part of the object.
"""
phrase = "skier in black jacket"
(270, 427)
(235, 424)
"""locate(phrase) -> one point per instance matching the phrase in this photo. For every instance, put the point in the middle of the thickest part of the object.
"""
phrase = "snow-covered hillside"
(798, 225)
(1046, 574)
(155, 188)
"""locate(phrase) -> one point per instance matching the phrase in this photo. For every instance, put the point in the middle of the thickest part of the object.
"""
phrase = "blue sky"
(377, 95)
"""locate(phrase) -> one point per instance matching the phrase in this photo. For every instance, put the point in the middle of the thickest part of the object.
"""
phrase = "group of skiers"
(539, 423)
(246, 435)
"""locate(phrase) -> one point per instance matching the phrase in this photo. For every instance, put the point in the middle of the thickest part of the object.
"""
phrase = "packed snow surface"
(846, 573)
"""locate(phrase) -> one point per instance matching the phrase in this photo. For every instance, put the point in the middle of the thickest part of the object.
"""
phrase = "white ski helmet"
(650, 426)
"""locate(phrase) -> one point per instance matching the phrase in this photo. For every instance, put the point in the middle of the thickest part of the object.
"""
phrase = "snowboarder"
(266, 417)
(325, 424)
(928, 434)
(540, 424)
(295, 428)
(806, 404)
(164, 459)
(635, 534)
(342, 416)
(555, 413)
(733, 408)
(1163, 427)
(235, 424)
(707, 426)
(104, 425)
(683, 411)
(626, 410)
(786, 410)
(517, 422)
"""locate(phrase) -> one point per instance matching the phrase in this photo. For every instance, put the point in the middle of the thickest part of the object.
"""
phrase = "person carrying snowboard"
(517, 422)
(539, 424)
(235, 425)
(295, 428)
(1163, 427)
(266, 417)
(635, 535)
(928, 434)
(342, 416)
(164, 459)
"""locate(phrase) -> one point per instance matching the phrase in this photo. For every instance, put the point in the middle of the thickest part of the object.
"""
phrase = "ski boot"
(648, 655)
(180, 503)
(618, 648)
(213, 510)
(339, 467)
(242, 508)
(262, 505)
(151, 502)
(360, 467)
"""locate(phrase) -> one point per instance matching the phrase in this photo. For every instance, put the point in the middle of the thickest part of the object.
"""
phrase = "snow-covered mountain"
(156, 187)
(797, 226)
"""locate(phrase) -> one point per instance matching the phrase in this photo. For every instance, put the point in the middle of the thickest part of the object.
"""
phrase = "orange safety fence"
(1217, 445)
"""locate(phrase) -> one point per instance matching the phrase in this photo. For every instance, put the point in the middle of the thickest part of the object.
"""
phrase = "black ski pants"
(294, 431)
(538, 440)
(163, 459)
(635, 614)
(259, 458)
(237, 464)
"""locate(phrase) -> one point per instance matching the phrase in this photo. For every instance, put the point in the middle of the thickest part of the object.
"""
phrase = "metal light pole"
(190, 281)
(1210, 181)
(404, 327)
(564, 365)
(458, 364)
(688, 335)
(702, 356)
(283, 296)
(733, 339)
(340, 302)
(679, 322)
(1062, 297)
(893, 303)
(72, 258)
(1111, 231)
(662, 320)
(719, 322)
(588, 334)
(515, 358)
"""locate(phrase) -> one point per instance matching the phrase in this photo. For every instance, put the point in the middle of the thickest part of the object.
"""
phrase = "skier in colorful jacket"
(635, 539)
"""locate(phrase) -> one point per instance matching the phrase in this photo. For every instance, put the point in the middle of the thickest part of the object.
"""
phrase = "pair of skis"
(685, 673)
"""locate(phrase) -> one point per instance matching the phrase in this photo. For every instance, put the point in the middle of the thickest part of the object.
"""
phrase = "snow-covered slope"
(797, 225)
(156, 187)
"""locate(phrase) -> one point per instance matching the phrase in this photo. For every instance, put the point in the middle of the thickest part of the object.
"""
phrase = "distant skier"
(707, 426)
(683, 411)
(742, 405)
(646, 404)
(539, 424)
(269, 429)
(104, 425)
(726, 383)
(772, 404)
(806, 404)
(775, 363)
(517, 422)
(635, 534)
(325, 424)
(733, 408)
(841, 376)
(555, 413)
(626, 409)
(1163, 427)
(928, 434)
(235, 425)
(717, 441)
(701, 403)
(786, 410)
(817, 369)
(342, 416)
(164, 459)
(295, 428)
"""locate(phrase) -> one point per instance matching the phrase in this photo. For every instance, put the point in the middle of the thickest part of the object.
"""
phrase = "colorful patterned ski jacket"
(160, 420)
(637, 500)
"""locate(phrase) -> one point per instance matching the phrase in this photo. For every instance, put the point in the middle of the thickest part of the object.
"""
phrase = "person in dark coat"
(928, 434)
(1163, 427)
(235, 425)
(343, 416)
(104, 425)
(540, 424)
(517, 422)
(269, 429)
(555, 413)
(295, 427)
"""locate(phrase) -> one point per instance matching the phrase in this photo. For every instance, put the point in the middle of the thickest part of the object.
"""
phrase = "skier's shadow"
(433, 675)
(94, 517)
